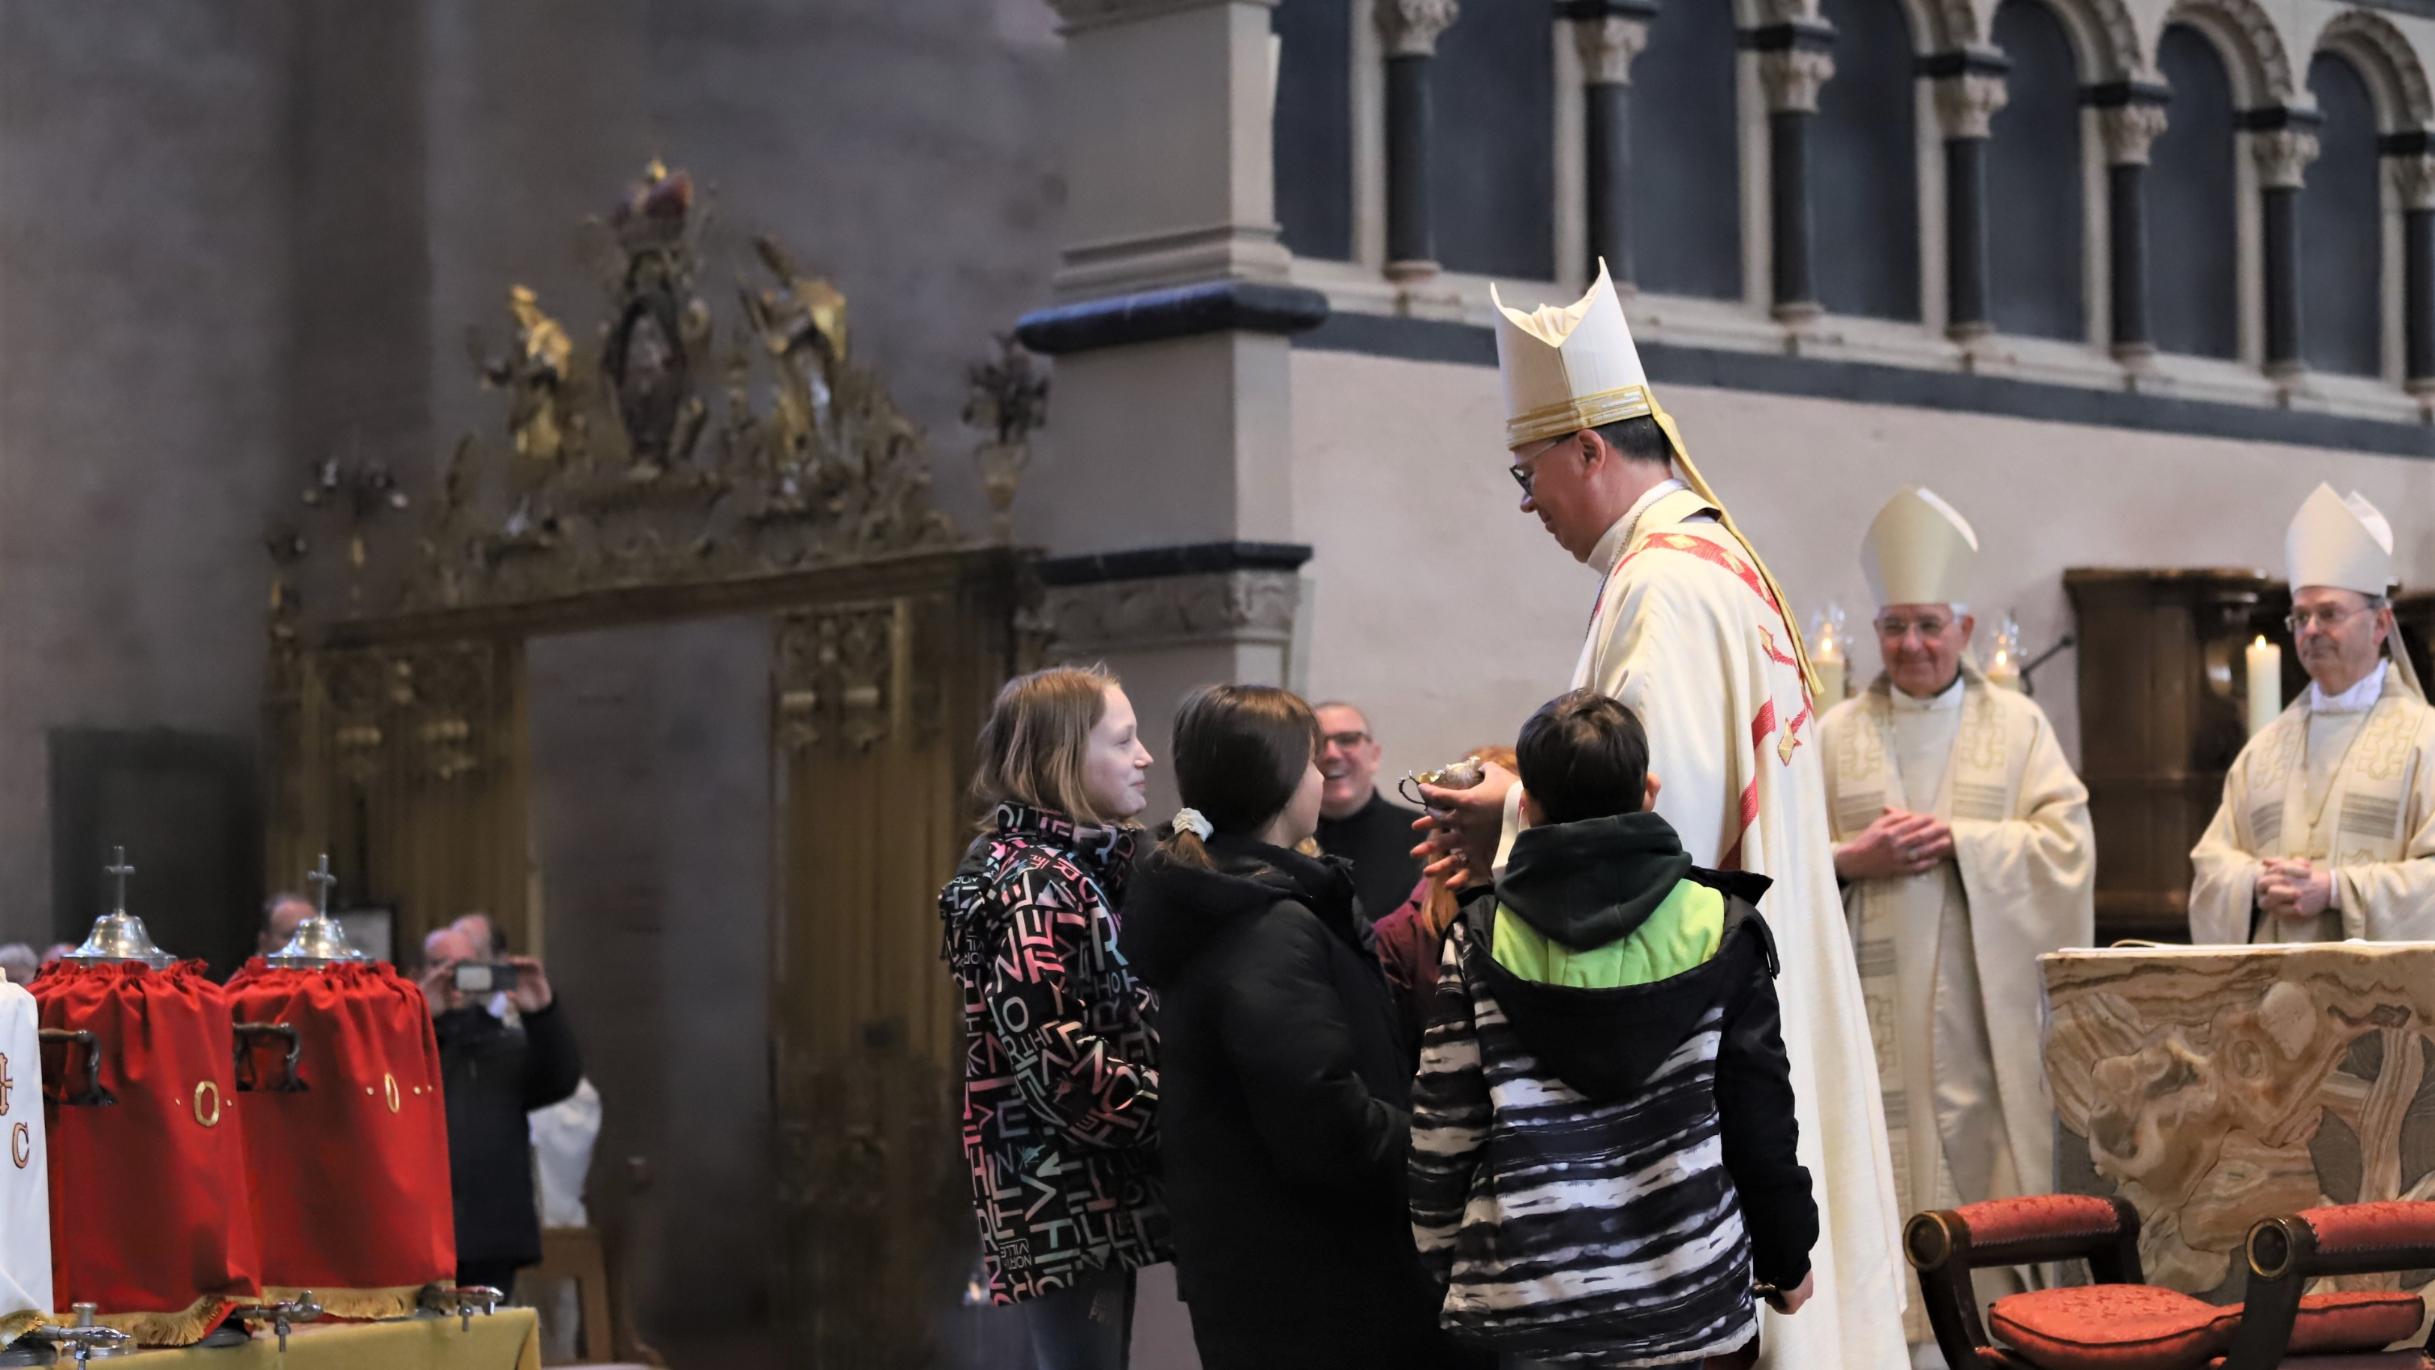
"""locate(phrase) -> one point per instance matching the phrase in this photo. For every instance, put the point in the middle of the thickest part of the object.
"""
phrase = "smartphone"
(484, 977)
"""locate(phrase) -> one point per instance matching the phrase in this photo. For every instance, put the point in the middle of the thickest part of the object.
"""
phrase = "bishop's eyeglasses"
(2329, 618)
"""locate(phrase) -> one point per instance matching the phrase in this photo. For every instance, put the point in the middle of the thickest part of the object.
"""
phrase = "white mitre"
(2341, 542)
(1919, 550)
(1570, 368)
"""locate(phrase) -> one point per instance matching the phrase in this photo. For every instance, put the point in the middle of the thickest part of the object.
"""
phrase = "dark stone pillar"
(1969, 90)
(2131, 118)
(1794, 62)
(1609, 34)
(1409, 30)
(2284, 147)
(2410, 158)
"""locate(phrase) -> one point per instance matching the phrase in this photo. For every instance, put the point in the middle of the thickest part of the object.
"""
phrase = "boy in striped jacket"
(1602, 1128)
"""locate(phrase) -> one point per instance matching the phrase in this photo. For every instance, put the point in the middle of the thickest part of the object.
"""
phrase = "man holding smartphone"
(493, 1074)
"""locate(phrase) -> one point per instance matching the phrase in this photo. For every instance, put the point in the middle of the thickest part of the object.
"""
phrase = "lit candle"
(2265, 683)
(2004, 667)
(1827, 656)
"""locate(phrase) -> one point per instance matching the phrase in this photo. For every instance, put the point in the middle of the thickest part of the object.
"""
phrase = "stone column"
(2283, 153)
(1172, 339)
(1609, 34)
(1408, 31)
(2413, 170)
(1794, 62)
(2130, 119)
(1969, 90)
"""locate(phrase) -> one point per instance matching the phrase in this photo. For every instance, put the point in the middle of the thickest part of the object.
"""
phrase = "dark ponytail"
(1240, 752)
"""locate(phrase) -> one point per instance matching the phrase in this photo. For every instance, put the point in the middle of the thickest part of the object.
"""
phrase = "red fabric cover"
(2365, 1320)
(2111, 1327)
(350, 1174)
(2396, 1225)
(148, 1200)
(2038, 1216)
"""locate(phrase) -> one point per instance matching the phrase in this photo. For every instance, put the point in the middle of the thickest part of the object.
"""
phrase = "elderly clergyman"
(2327, 828)
(1963, 845)
(1688, 628)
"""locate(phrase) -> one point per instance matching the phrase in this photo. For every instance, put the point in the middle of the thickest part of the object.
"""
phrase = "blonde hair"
(1033, 748)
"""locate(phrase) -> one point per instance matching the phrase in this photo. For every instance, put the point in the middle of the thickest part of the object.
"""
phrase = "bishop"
(2327, 827)
(1964, 851)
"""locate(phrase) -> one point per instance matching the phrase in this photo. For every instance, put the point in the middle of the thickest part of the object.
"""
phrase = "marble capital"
(1966, 104)
(2414, 180)
(1607, 45)
(1410, 28)
(2130, 132)
(1793, 78)
(2283, 155)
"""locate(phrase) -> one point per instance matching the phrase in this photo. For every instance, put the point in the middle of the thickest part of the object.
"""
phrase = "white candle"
(2265, 662)
(1826, 656)
(2002, 672)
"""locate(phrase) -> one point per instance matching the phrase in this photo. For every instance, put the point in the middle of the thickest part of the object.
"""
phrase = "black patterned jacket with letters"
(1060, 1056)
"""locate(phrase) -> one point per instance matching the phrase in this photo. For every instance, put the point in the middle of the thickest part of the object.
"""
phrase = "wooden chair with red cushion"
(2120, 1322)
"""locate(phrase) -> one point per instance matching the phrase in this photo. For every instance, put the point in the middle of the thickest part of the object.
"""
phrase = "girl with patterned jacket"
(1060, 1062)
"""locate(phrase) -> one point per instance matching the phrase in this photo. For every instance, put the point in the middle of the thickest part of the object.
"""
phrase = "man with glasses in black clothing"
(2327, 829)
(1358, 823)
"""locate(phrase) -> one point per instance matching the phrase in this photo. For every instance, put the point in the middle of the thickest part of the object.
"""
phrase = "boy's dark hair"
(1583, 755)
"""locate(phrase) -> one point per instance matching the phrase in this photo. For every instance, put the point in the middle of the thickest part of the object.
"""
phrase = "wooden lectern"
(2161, 717)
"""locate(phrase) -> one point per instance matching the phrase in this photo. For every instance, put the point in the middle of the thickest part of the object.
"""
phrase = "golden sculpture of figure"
(802, 324)
(534, 373)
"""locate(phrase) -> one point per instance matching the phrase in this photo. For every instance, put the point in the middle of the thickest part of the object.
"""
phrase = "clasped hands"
(1900, 843)
(2294, 889)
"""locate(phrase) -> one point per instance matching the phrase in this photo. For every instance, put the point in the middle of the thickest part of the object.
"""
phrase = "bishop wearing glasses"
(1963, 846)
(2327, 828)
(1689, 629)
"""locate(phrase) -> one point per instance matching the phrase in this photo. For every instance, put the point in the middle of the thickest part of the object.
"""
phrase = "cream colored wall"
(1450, 616)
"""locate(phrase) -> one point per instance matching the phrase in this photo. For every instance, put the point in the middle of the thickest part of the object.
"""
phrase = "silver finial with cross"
(321, 879)
(118, 870)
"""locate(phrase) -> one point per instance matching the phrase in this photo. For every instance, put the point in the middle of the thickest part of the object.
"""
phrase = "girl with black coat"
(1285, 1075)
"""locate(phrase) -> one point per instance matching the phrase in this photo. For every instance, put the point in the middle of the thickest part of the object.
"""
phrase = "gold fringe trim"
(183, 1328)
(17, 1324)
(364, 1304)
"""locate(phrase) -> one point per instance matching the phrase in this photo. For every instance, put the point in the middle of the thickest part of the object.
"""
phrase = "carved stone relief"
(2213, 1087)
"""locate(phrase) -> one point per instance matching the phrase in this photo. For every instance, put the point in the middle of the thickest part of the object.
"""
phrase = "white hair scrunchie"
(1190, 820)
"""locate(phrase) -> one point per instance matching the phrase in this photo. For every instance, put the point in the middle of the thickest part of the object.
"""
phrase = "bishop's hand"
(1463, 826)
(2294, 889)
(1899, 843)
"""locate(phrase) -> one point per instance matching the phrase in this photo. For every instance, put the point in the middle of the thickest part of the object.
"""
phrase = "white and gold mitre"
(2341, 542)
(1568, 369)
(1920, 550)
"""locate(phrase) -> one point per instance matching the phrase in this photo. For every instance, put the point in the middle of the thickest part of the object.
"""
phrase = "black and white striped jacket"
(1598, 1175)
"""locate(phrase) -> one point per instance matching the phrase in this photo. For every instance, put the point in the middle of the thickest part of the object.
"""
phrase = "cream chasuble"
(1948, 959)
(2334, 785)
(25, 1183)
(1686, 633)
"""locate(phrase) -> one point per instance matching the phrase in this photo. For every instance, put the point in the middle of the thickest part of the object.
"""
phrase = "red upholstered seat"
(2356, 1360)
(2112, 1327)
(2368, 1320)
